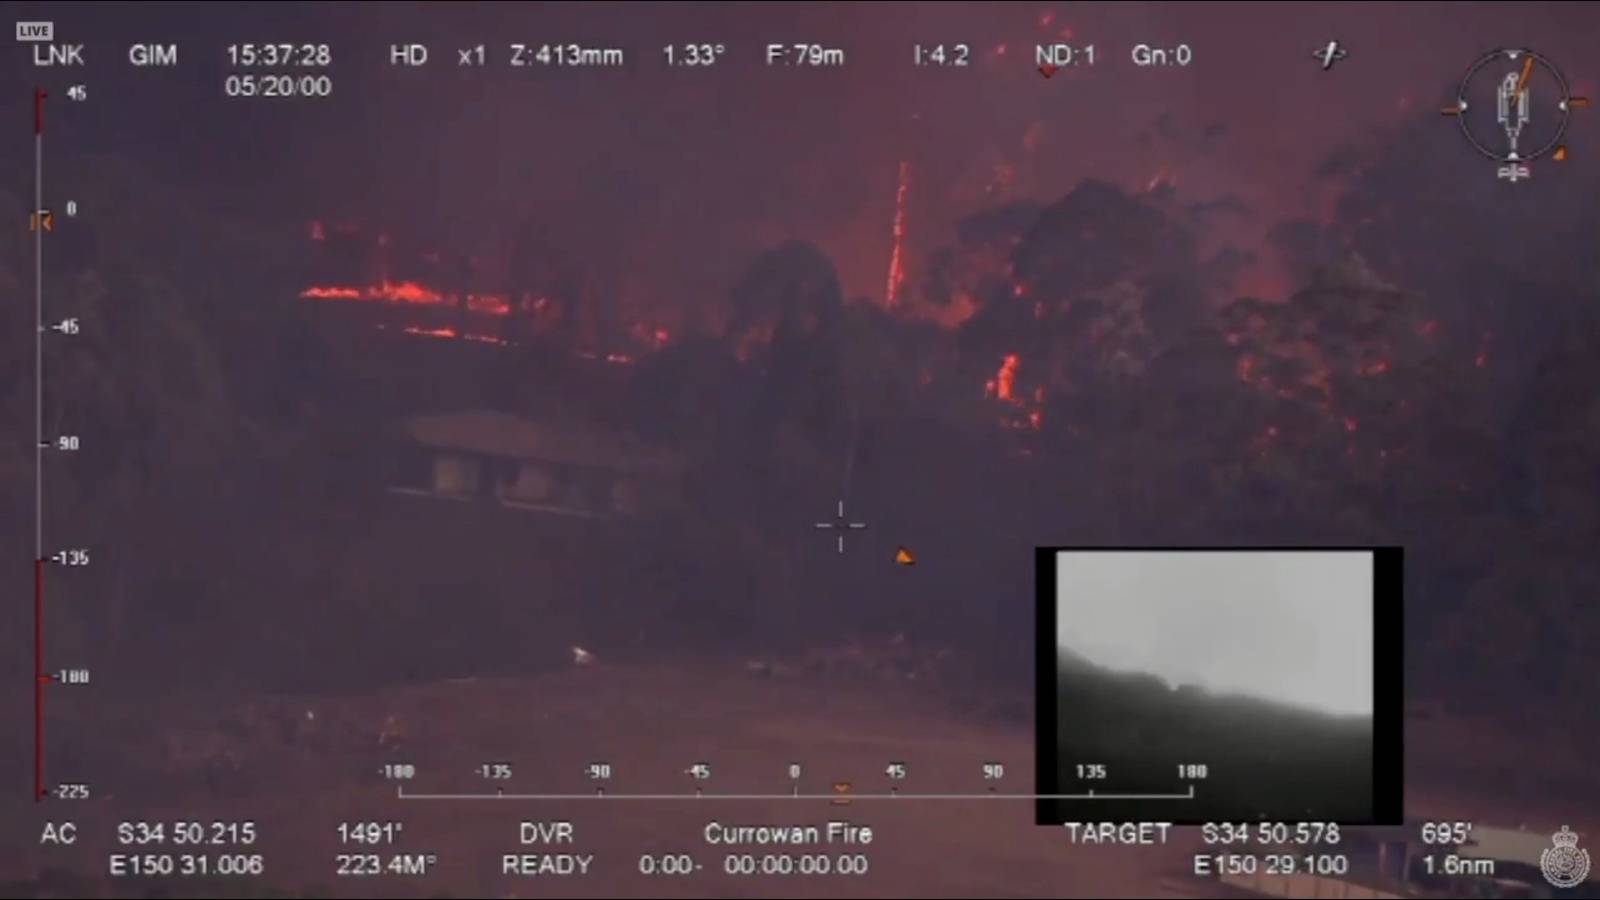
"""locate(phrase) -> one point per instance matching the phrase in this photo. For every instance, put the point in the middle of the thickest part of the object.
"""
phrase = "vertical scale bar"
(39, 790)
(39, 680)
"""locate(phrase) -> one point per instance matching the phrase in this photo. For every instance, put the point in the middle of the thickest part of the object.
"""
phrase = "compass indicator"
(1514, 106)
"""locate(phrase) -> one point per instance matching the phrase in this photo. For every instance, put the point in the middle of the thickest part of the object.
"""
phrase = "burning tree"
(1094, 287)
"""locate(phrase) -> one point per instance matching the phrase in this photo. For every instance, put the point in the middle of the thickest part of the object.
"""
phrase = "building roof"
(492, 433)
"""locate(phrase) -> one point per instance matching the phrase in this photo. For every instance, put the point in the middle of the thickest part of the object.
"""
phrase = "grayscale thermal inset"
(1200, 685)
(1292, 628)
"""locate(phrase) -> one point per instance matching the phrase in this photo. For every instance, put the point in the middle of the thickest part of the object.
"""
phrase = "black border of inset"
(1388, 675)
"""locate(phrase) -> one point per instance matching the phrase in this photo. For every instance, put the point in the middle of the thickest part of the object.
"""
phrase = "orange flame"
(1005, 380)
(410, 292)
(897, 272)
(391, 291)
(406, 292)
(1003, 387)
(490, 304)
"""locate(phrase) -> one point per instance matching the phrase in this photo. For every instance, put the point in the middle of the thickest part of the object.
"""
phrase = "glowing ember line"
(407, 292)
(897, 272)
(489, 304)
(410, 292)
(452, 334)
(391, 291)
(332, 293)
(430, 332)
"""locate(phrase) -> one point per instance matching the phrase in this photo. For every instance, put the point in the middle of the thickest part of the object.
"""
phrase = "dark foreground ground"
(298, 766)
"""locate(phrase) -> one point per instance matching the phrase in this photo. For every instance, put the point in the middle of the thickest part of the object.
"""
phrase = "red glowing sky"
(669, 181)
(756, 158)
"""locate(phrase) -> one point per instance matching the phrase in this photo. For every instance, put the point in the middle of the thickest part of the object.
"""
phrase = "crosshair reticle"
(842, 525)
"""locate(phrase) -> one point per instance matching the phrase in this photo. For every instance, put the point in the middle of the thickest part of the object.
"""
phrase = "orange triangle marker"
(904, 557)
